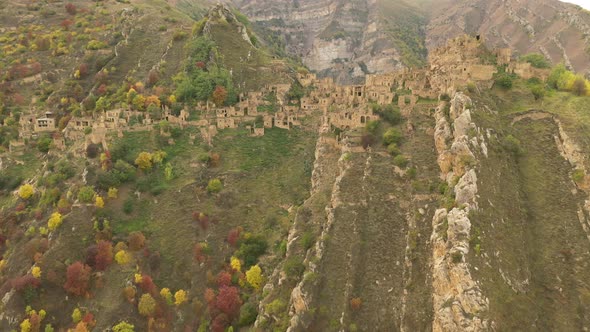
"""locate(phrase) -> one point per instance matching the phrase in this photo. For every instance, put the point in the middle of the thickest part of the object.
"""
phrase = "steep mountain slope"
(560, 31)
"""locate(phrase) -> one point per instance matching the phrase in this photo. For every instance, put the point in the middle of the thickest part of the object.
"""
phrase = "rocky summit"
(255, 165)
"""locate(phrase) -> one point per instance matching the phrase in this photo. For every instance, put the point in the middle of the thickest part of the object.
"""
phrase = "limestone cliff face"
(342, 39)
(560, 31)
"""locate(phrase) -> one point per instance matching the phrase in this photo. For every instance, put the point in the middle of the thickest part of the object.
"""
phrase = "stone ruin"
(451, 67)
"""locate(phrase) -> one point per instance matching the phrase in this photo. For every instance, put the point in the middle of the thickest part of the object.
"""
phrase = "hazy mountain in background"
(347, 39)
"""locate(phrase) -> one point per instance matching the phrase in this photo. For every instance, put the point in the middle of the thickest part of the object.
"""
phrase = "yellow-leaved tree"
(166, 295)
(36, 272)
(54, 221)
(236, 264)
(26, 191)
(99, 202)
(122, 257)
(179, 297)
(144, 160)
(254, 277)
(147, 305)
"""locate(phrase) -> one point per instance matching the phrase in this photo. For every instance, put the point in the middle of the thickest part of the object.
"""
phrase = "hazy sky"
(583, 3)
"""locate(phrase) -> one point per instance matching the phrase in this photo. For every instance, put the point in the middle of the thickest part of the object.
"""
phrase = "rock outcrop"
(459, 304)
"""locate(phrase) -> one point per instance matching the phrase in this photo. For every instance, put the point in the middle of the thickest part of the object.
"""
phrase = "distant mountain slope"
(560, 31)
(345, 39)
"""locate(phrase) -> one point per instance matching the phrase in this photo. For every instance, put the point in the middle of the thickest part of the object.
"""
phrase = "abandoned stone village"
(451, 67)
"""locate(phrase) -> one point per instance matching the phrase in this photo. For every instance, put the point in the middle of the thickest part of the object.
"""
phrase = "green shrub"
(392, 136)
(412, 172)
(536, 60)
(307, 240)
(248, 314)
(504, 80)
(512, 144)
(96, 45)
(251, 249)
(128, 206)
(390, 114)
(393, 149)
(86, 194)
(293, 267)
(43, 144)
(400, 161)
(372, 126)
(538, 91)
(578, 175)
(445, 97)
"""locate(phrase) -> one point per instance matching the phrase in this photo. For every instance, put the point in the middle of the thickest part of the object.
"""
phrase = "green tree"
(393, 135)
(538, 91)
(504, 80)
(102, 104)
(44, 144)
(86, 194)
(536, 60)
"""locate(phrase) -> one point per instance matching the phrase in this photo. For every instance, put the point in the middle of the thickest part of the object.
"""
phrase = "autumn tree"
(78, 277)
(36, 272)
(129, 293)
(233, 236)
(136, 241)
(152, 100)
(200, 252)
(147, 284)
(220, 322)
(209, 296)
(166, 295)
(254, 277)
(71, 9)
(26, 191)
(54, 221)
(228, 301)
(123, 327)
(122, 257)
(355, 303)
(99, 202)
(144, 161)
(223, 279)
(66, 24)
(180, 297)
(235, 264)
(153, 77)
(219, 95)
(104, 255)
(83, 70)
(147, 305)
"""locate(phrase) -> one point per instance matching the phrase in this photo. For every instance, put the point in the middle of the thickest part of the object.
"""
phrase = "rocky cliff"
(344, 39)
